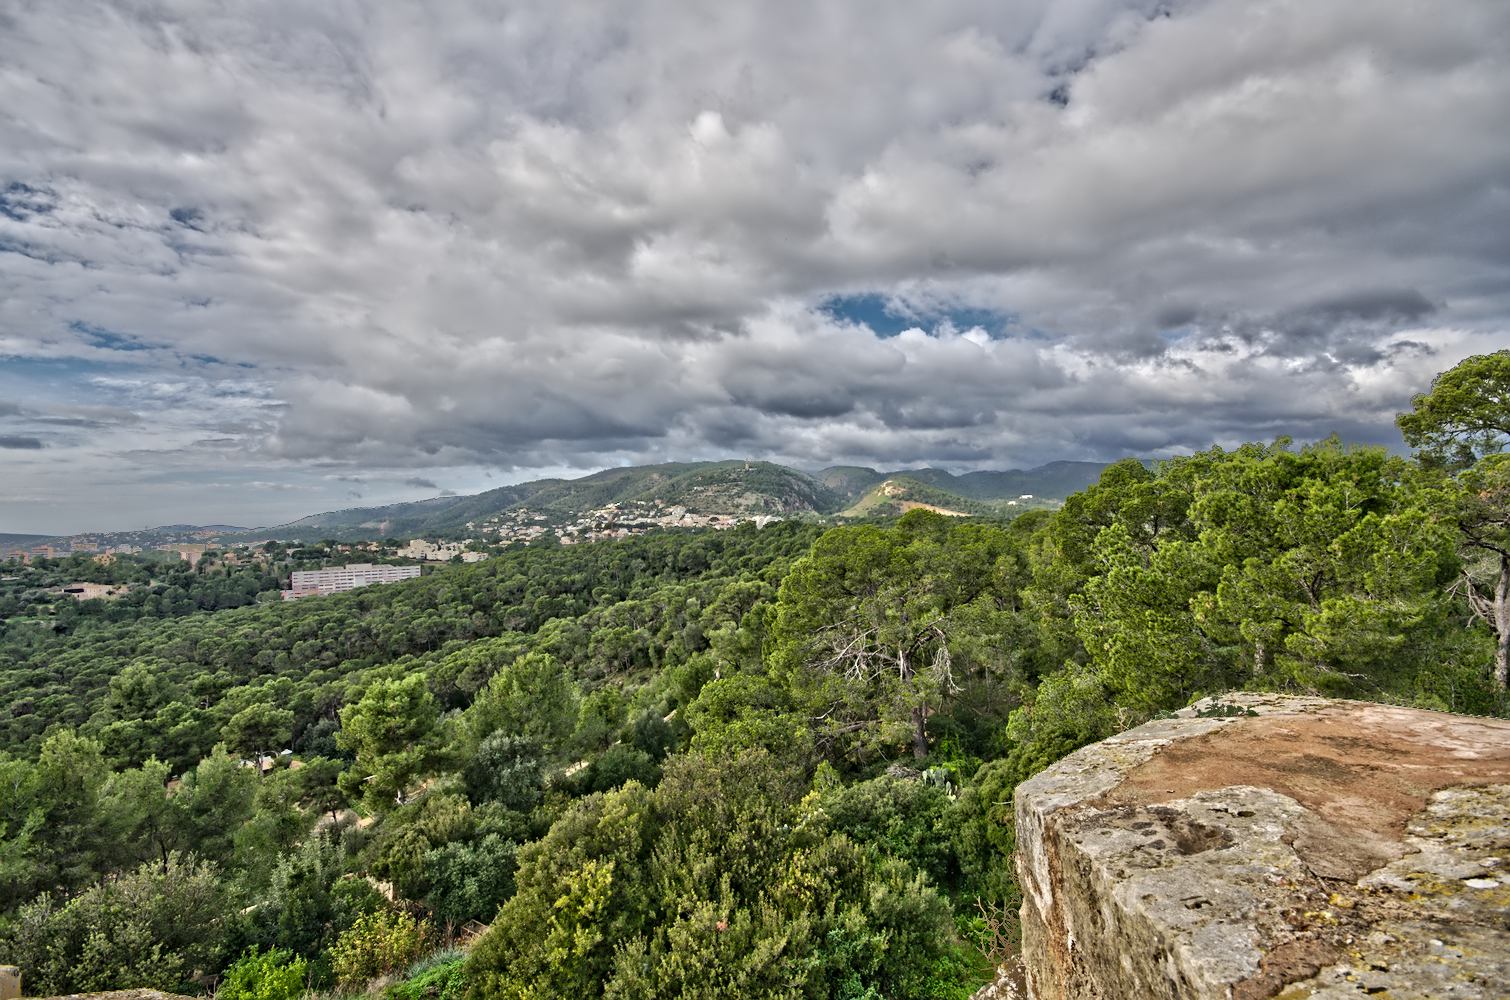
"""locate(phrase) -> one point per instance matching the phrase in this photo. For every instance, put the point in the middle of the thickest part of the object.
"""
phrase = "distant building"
(419, 548)
(189, 552)
(335, 579)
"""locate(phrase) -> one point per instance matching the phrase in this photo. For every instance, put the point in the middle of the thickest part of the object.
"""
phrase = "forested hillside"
(771, 762)
(704, 487)
(1053, 481)
(899, 494)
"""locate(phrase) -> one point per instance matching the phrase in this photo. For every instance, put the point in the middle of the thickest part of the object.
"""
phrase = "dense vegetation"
(157, 585)
(34, 608)
(752, 763)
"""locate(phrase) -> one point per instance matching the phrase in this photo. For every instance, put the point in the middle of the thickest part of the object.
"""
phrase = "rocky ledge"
(1263, 846)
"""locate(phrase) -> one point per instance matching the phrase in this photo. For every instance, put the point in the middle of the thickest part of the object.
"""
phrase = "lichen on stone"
(1289, 847)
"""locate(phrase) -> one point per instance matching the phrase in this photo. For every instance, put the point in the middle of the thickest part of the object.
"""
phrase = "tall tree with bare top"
(1463, 426)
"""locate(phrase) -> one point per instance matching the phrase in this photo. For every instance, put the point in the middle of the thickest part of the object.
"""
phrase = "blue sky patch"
(20, 202)
(887, 318)
(43, 368)
(110, 340)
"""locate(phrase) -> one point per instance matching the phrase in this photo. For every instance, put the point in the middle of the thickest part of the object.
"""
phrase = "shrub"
(469, 881)
(376, 945)
(156, 926)
(273, 975)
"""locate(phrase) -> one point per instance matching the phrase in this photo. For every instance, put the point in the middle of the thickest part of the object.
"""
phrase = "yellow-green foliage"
(376, 945)
(274, 975)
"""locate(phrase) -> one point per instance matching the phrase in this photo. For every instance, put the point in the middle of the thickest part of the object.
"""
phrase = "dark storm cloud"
(420, 483)
(467, 235)
(1404, 305)
(20, 443)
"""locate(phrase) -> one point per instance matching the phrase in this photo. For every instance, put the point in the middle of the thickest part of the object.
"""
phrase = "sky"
(261, 260)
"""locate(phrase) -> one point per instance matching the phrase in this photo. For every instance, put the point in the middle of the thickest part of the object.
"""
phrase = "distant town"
(518, 525)
(148, 569)
(615, 520)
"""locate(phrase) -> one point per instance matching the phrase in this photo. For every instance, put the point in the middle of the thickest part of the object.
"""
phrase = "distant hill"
(851, 481)
(439, 515)
(731, 487)
(10, 542)
(701, 487)
(7, 538)
(1054, 481)
(899, 494)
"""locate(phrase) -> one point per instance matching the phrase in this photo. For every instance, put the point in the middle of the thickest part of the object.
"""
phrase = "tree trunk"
(1502, 624)
(920, 732)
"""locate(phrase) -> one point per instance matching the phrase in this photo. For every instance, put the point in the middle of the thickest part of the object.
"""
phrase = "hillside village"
(93, 576)
(614, 520)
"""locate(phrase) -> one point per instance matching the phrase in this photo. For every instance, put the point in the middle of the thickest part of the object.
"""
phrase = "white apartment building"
(335, 579)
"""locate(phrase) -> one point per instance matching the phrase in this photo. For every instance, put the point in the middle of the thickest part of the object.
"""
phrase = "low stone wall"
(1267, 846)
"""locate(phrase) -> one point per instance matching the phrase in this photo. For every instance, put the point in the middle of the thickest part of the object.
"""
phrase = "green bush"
(376, 945)
(470, 880)
(157, 926)
(273, 975)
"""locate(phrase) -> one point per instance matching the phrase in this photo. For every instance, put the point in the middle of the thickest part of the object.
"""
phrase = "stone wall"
(1266, 846)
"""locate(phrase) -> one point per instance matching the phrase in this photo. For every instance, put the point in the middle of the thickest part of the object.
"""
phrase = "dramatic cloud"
(251, 256)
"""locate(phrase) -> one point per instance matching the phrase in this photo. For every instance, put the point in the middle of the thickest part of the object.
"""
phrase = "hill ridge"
(729, 486)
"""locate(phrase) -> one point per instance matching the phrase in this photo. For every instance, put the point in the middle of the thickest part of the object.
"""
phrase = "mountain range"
(728, 487)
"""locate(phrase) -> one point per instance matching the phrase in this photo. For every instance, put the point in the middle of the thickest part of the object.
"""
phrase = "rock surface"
(1265, 846)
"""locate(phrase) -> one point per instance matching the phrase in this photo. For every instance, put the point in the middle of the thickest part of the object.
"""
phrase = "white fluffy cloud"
(306, 243)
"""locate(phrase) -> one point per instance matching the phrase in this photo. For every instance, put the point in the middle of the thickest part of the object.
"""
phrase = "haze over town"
(298, 257)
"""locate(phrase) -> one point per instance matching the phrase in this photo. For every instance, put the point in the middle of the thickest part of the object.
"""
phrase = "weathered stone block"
(1298, 848)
